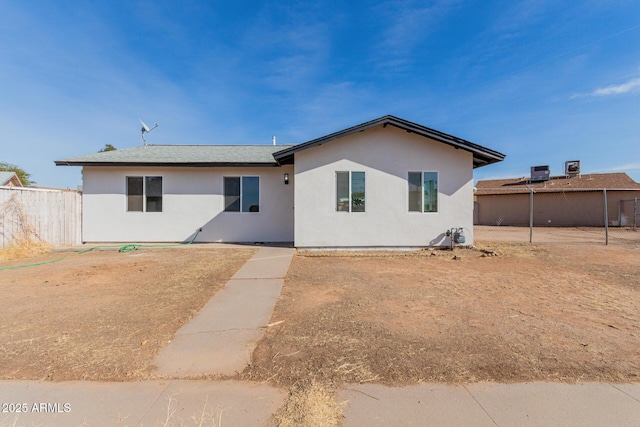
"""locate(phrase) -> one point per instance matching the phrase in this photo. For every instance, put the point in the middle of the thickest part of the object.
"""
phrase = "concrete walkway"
(490, 404)
(236, 403)
(147, 403)
(221, 338)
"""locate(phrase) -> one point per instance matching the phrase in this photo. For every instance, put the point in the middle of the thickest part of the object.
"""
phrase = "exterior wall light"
(286, 179)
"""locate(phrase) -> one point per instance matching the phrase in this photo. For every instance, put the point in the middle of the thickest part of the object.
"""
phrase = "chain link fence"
(567, 216)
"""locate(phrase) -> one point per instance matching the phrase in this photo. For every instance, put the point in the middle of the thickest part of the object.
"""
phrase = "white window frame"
(335, 198)
(422, 211)
(144, 193)
(224, 208)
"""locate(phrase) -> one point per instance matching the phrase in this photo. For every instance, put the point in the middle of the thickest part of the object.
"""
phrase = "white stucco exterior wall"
(192, 198)
(386, 155)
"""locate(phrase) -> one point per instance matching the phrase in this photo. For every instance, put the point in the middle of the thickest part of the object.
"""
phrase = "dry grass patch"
(24, 249)
(534, 312)
(205, 418)
(310, 404)
(104, 315)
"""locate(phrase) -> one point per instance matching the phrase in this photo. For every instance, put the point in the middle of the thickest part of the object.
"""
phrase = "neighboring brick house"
(560, 201)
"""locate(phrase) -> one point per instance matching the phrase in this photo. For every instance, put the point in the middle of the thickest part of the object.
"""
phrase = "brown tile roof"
(595, 181)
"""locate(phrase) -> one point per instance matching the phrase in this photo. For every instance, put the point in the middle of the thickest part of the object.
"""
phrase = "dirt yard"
(552, 312)
(532, 312)
(103, 315)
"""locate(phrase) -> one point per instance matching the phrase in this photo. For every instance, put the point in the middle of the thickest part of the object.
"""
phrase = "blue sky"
(541, 81)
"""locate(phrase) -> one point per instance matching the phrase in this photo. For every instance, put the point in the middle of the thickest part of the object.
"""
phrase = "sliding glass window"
(144, 194)
(153, 190)
(350, 192)
(135, 194)
(423, 191)
(242, 194)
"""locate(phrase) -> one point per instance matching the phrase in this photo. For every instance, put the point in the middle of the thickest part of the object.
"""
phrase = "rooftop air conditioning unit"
(539, 173)
(572, 168)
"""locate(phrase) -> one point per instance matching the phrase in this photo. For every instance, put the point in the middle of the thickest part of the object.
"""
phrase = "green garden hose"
(129, 248)
(125, 249)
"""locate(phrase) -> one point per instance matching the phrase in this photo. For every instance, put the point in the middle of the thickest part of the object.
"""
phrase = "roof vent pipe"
(273, 139)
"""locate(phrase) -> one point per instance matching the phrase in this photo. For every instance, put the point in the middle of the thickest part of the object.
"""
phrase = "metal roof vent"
(572, 168)
(540, 173)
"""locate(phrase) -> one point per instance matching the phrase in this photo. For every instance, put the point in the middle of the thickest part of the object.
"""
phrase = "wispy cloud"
(618, 89)
(629, 86)
(408, 24)
(621, 168)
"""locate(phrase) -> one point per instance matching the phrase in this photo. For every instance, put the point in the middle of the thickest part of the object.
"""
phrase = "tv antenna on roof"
(146, 129)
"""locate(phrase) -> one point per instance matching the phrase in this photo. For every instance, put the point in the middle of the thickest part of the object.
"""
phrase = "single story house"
(563, 201)
(384, 183)
(9, 179)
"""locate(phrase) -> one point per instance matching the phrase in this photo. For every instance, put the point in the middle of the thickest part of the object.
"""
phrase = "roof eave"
(482, 156)
(168, 164)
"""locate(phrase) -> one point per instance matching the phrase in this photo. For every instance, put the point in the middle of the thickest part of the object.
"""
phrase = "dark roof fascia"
(481, 155)
(166, 164)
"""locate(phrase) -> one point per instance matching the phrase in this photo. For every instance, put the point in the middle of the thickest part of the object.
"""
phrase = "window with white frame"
(241, 194)
(423, 191)
(144, 194)
(350, 191)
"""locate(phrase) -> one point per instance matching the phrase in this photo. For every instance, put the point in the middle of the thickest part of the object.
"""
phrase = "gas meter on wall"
(456, 235)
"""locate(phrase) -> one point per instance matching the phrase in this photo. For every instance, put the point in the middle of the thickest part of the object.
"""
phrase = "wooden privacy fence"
(52, 216)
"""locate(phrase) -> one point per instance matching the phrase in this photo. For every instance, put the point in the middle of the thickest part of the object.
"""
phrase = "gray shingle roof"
(5, 177)
(181, 155)
(262, 155)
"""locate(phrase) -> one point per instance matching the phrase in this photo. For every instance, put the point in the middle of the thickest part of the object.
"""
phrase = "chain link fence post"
(531, 215)
(606, 217)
